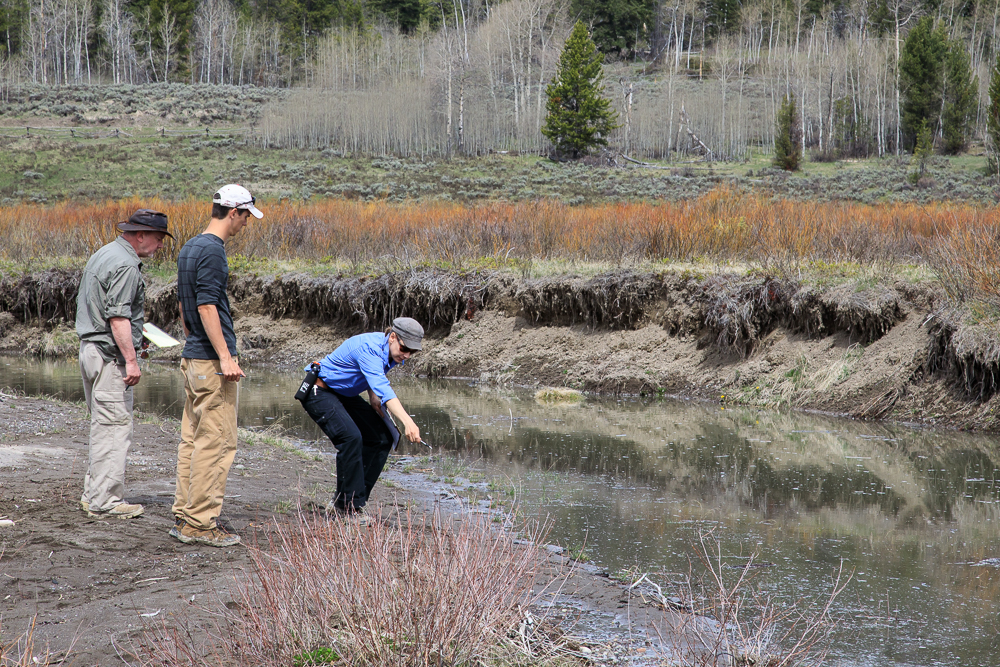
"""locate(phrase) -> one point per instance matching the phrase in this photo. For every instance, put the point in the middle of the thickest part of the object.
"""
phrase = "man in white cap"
(211, 373)
(109, 319)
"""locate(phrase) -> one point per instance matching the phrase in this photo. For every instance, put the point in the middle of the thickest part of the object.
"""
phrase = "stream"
(913, 513)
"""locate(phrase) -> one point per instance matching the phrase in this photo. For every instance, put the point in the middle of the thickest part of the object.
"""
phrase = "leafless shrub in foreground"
(735, 623)
(412, 591)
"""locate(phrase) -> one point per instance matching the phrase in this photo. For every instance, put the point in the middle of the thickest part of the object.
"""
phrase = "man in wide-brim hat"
(109, 319)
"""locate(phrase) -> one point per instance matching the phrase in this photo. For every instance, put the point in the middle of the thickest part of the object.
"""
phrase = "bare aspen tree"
(118, 28)
(725, 65)
(168, 37)
(627, 98)
(38, 41)
(83, 12)
(464, 47)
(448, 57)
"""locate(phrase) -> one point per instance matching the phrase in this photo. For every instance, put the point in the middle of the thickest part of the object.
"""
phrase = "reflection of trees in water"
(787, 461)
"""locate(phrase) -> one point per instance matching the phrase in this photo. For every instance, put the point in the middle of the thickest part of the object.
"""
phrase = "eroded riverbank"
(864, 348)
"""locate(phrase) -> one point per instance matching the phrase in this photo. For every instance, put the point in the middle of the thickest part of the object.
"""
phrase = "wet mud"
(88, 589)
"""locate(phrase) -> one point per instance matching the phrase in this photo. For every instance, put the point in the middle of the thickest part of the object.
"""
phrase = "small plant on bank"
(319, 656)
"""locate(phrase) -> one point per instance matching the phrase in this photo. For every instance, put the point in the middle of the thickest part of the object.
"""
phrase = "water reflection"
(906, 509)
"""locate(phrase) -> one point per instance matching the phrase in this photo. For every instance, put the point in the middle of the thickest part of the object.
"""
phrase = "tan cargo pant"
(109, 402)
(208, 442)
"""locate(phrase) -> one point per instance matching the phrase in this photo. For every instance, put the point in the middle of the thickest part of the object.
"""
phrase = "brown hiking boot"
(215, 537)
(119, 511)
(175, 530)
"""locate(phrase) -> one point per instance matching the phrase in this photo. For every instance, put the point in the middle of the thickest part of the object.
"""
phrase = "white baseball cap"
(237, 196)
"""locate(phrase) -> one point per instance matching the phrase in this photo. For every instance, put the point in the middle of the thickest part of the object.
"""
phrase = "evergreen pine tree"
(579, 116)
(788, 136)
(921, 66)
(937, 85)
(993, 118)
(616, 24)
(959, 95)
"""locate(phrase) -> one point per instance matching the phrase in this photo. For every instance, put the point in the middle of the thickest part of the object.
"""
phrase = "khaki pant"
(208, 442)
(109, 402)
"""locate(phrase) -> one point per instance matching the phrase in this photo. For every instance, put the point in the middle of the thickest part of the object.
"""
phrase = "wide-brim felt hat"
(145, 220)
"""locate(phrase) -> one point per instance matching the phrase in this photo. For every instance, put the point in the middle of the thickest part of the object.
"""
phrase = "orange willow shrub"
(723, 225)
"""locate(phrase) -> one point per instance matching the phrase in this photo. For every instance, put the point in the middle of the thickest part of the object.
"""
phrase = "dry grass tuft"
(22, 651)
(866, 313)
(409, 592)
(741, 312)
(729, 619)
(965, 343)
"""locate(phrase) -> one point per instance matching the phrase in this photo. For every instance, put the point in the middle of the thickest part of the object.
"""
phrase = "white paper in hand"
(158, 336)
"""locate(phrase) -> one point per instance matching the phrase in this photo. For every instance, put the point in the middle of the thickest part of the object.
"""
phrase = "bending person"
(355, 426)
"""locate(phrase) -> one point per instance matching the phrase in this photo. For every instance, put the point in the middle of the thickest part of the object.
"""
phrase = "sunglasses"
(403, 348)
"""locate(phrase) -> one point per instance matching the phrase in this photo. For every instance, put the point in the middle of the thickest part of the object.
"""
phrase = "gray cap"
(408, 331)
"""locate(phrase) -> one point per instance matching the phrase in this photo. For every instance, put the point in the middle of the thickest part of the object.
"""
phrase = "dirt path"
(92, 586)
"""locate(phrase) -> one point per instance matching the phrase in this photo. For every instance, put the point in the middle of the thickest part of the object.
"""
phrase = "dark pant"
(361, 438)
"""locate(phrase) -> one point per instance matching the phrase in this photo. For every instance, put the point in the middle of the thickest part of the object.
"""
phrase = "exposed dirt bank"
(91, 587)
(867, 349)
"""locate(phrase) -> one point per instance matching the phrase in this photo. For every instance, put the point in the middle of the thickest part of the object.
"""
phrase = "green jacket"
(111, 286)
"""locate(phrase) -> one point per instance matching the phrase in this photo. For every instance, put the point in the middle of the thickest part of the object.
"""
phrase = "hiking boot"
(85, 506)
(214, 537)
(175, 530)
(119, 511)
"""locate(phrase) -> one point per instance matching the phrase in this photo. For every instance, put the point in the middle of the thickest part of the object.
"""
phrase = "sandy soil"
(92, 586)
(885, 379)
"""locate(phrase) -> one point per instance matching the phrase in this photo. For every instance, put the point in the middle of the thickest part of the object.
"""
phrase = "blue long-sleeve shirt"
(359, 364)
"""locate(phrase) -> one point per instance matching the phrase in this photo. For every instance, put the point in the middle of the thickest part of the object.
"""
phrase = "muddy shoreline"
(90, 588)
(867, 349)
